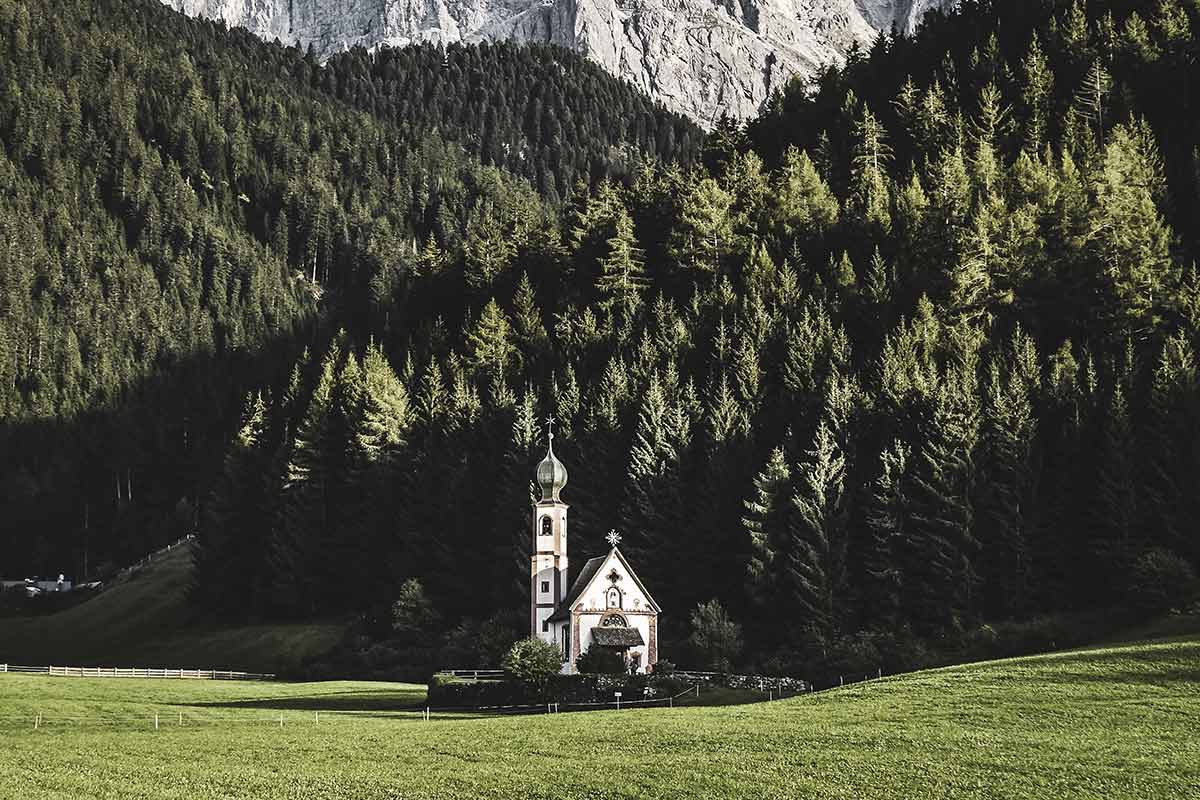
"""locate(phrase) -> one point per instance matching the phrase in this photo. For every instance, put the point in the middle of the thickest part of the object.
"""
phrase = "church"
(607, 606)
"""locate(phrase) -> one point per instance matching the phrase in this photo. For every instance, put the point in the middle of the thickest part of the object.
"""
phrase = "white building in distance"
(607, 606)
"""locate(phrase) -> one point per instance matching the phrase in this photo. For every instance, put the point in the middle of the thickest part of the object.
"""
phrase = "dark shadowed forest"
(912, 352)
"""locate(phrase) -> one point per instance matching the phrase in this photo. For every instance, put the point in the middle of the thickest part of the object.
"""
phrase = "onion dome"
(551, 474)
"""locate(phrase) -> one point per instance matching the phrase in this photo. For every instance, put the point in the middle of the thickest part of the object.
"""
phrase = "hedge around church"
(456, 693)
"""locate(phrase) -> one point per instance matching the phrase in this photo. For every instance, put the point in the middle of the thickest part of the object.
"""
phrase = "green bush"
(532, 661)
(446, 691)
(600, 661)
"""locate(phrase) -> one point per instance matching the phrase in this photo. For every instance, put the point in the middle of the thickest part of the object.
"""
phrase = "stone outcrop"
(700, 57)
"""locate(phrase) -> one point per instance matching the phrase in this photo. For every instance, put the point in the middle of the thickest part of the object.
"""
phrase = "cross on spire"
(550, 431)
(613, 538)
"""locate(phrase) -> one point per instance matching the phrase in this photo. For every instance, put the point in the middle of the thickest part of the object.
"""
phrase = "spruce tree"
(1117, 510)
(766, 522)
(230, 553)
(1173, 447)
(1007, 501)
(303, 517)
(622, 269)
(380, 428)
(652, 515)
(704, 233)
(869, 175)
(816, 553)
(804, 205)
(1128, 235)
(945, 547)
(888, 559)
(489, 341)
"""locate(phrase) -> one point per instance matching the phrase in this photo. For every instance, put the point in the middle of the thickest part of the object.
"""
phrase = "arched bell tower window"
(614, 598)
(547, 526)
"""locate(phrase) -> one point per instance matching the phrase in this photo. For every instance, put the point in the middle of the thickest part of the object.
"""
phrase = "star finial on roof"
(613, 538)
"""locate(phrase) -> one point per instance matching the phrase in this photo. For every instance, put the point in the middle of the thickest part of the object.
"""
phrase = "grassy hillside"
(1109, 722)
(145, 620)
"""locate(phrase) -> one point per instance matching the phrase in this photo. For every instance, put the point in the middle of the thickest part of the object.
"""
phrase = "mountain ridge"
(702, 58)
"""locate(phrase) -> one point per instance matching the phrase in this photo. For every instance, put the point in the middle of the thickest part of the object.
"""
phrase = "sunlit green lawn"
(1106, 723)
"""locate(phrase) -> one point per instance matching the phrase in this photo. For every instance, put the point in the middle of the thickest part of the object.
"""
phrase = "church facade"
(606, 606)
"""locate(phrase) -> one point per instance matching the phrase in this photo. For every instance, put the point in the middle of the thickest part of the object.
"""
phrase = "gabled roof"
(636, 580)
(588, 575)
(617, 637)
(578, 587)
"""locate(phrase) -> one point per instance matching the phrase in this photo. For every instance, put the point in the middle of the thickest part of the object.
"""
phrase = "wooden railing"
(140, 672)
(474, 674)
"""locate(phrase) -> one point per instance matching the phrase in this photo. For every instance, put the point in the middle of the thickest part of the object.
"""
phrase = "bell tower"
(548, 564)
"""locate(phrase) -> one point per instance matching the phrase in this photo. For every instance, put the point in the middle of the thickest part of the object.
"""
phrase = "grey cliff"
(700, 57)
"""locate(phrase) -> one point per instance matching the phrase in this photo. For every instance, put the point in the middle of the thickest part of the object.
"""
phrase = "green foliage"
(412, 610)
(704, 235)
(715, 635)
(532, 661)
(622, 270)
(766, 522)
(489, 342)
(942, 298)
(817, 547)
(600, 661)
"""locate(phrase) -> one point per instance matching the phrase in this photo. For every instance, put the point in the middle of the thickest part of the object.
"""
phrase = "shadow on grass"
(341, 701)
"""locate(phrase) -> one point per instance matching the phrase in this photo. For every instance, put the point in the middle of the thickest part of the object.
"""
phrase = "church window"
(545, 625)
(614, 597)
(547, 526)
(545, 586)
(566, 643)
(614, 621)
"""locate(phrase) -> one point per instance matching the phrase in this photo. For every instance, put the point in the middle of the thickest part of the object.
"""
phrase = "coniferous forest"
(912, 352)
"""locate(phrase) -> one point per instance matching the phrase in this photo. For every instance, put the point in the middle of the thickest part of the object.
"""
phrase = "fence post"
(281, 719)
(181, 719)
(156, 722)
(316, 717)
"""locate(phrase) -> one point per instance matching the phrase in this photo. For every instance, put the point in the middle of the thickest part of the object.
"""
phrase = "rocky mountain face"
(700, 57)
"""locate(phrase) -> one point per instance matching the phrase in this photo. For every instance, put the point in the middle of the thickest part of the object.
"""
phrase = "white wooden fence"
(473, 674)
(138, 672)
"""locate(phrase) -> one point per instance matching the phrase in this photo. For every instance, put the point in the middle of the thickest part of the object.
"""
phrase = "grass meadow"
(145, 620)
(1114, 722)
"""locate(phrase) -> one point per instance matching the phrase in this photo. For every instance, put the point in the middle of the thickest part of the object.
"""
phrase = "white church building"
(607, 606)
